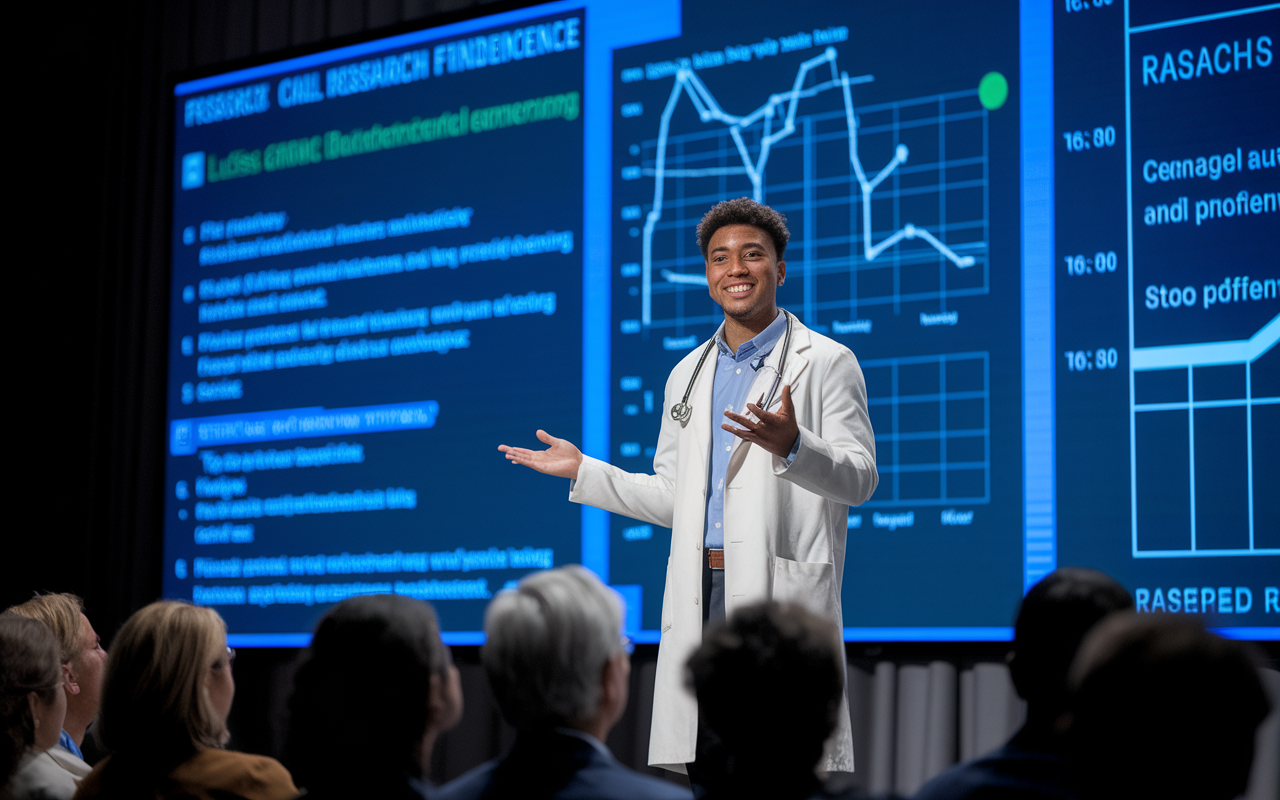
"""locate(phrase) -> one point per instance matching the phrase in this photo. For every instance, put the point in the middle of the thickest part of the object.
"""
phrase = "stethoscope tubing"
(682, 411)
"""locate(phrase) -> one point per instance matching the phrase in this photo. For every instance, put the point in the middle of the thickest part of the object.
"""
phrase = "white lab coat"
(784, 526)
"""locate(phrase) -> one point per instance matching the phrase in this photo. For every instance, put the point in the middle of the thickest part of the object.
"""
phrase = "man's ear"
(616, 672)
(69, 679)
(34, 704)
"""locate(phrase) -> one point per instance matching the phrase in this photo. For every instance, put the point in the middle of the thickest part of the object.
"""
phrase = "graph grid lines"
(932, 419)
(1187, 359)
(740, 147)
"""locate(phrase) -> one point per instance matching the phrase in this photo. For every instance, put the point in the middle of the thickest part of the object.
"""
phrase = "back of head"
(547, 642)
(769, 682)
(155, 706)
(28, 663)
(1053, 619)
(361, 698)
(1162, 708)
(61, 613)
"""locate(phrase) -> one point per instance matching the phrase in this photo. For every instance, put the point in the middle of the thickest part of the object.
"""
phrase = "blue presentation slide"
(1046, 230)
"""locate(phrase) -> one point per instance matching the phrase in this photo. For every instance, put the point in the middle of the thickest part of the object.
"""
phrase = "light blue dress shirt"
(735, 372)
(67, 743)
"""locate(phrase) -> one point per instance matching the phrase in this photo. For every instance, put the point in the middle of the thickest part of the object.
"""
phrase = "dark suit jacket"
(556, 766)
(1015, 771)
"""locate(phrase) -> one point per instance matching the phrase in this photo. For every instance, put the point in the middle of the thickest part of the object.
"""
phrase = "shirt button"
(739, 371)
(728, 447)
(717, 524)
(695, 601)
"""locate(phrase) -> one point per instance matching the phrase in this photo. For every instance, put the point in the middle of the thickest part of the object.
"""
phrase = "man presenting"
(765, 443)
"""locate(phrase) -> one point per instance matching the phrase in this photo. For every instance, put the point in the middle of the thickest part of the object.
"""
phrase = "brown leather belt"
(715, 559)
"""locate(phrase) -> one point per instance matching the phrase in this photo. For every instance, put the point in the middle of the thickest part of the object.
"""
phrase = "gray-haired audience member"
(1053, 619)
(769, 683)
(558, 669)
(1163, 708)
(33, 703)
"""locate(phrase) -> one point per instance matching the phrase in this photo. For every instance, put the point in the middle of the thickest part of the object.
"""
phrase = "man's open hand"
(561, 458)
(774, 431)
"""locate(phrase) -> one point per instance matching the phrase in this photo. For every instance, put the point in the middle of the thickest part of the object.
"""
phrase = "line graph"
(773, 122)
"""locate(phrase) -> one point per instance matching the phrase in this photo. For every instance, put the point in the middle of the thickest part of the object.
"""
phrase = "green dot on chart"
(993, 90)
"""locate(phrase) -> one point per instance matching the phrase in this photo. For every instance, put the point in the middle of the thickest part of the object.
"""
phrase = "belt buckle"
(715, 559)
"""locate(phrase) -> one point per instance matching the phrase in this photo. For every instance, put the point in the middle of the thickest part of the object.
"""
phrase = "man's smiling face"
(743, 273)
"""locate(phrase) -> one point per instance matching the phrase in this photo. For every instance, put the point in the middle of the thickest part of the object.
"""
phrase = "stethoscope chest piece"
(681, 412)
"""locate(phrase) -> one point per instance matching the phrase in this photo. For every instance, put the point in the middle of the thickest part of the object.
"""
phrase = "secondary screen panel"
(892, 149)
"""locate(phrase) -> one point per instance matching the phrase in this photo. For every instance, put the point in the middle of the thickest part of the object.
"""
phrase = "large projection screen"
(1046, 230)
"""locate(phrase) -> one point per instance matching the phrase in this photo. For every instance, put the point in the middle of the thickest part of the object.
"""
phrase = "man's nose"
(737, 267)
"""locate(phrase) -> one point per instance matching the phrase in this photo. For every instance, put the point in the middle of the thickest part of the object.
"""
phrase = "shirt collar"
(763, 342)
(67, 743)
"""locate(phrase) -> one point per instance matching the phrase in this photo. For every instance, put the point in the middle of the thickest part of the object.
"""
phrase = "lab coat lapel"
(698, 433)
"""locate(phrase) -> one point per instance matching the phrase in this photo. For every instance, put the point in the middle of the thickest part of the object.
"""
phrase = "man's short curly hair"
(744, 211)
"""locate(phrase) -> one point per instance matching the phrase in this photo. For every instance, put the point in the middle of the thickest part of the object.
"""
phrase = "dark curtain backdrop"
(87, 121)
(88, 104)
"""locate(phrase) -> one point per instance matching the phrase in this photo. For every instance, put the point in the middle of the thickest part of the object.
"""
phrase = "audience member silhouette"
(376, 688)
(165, 702)
(1162, 708)
(83, 664)
(33, 704)
(769, 682)
(1053, 619)
(558, 669)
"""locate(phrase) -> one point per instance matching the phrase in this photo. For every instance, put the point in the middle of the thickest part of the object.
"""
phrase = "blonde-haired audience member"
(32, 705)
(164, 714)
(83, 662)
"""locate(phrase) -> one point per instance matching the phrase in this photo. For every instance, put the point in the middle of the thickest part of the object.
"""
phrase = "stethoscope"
(681, 411)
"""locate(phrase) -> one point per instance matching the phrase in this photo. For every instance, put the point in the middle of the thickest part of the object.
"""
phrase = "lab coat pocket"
(809, 583)
(666, 600)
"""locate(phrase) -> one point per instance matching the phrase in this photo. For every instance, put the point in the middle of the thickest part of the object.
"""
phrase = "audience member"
(165, 702)
(1053, 619)
(376, 689)
(559, 672)
(1163, 708)
(32, 706)
(769, 683)
(83, 662)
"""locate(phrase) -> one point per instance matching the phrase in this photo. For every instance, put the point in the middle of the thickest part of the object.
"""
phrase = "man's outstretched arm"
(649, 498)
(561, 459)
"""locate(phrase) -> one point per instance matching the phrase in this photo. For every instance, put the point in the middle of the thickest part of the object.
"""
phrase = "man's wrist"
(795, 448)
